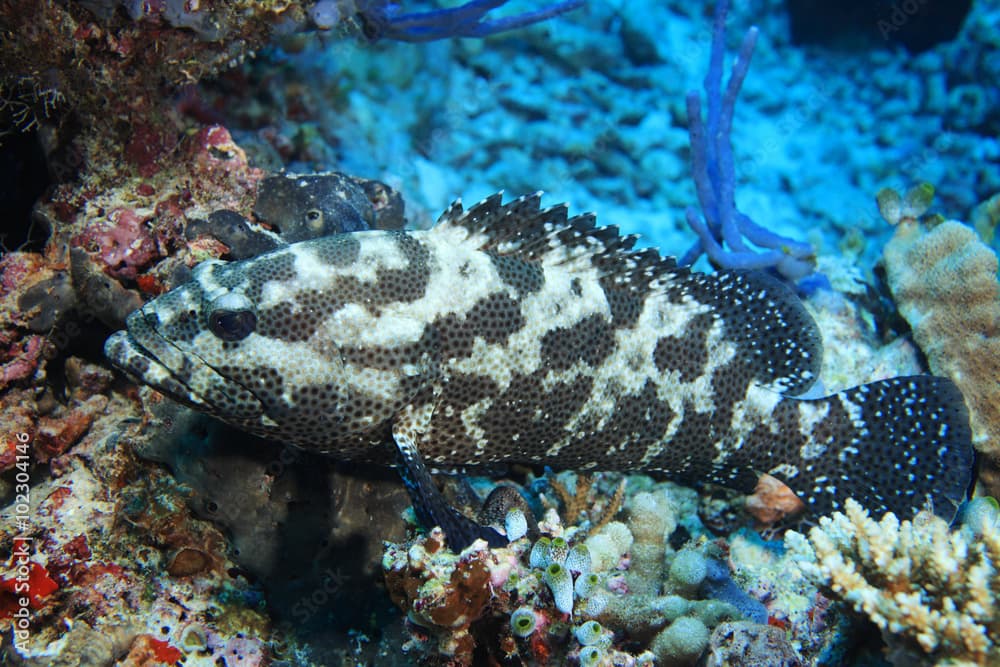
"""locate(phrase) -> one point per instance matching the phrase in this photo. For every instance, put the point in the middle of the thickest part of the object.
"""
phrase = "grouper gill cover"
(511, 333)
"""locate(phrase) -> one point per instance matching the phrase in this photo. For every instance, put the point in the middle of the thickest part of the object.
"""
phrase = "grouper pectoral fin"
(431, 508)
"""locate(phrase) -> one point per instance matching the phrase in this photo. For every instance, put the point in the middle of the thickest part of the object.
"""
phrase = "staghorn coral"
(944, 281)
(932, 591)
(587, 497)
(575, 502)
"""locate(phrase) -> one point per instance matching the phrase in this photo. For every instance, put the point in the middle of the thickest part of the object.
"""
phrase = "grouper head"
(276, 344)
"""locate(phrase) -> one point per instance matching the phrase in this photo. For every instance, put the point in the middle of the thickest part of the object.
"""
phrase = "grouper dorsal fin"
(775, 336)
(522, 230)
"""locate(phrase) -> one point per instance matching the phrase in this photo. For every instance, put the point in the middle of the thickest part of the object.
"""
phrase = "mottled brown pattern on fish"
(686, 353)
(410, 355)
(625, 306)
(638, 425)
(298, 320)
(340, 251)
(730, 384)
(269, 380)
(775, 450)
(530, 418)
(409, 283)
(693, 431)
(525, 277)
(589, 341)
(185, 327)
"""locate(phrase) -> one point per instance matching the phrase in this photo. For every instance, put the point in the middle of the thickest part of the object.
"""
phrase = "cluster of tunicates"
(559, 563)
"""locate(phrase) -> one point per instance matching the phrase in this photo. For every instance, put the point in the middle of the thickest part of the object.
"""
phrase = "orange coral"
(772, 501)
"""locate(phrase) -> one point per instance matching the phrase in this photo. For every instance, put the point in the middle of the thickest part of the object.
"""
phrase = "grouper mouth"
(143, 352)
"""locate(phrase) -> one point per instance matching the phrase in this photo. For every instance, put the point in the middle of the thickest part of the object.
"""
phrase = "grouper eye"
(232, 318)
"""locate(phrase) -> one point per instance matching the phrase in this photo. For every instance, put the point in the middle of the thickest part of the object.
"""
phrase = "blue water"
(589, 107)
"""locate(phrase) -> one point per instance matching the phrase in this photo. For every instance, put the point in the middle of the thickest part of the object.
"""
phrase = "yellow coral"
(933, 592)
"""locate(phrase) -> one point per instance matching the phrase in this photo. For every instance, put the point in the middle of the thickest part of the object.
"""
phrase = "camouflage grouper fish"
(509, 333)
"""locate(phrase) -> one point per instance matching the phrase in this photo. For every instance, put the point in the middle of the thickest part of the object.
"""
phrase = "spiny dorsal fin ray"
(522, 229)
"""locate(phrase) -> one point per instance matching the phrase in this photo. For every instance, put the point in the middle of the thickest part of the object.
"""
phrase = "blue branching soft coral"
(724, 230)
(380, 20)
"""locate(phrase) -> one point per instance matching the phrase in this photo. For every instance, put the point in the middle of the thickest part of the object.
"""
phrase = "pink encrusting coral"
(122, 242)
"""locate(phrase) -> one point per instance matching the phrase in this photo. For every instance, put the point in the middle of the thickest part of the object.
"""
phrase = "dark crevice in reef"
(23, 179)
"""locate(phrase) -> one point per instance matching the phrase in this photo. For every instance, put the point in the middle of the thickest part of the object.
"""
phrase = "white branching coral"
(932, 591)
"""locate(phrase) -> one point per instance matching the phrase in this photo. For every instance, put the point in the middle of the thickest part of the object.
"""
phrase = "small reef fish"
(513, 333)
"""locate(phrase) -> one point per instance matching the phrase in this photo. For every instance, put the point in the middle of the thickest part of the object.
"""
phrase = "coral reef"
(64, 65)
(131, 550)
(932, 591)
(113, 550)
(99, 79)
(248, 556)
(596, 600)
(944, 281)
(118, 243)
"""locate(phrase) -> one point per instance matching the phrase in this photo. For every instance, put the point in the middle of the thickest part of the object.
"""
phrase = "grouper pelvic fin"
(430, 506)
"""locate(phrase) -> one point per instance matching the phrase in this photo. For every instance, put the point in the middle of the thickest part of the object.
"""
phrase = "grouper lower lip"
(155, 360)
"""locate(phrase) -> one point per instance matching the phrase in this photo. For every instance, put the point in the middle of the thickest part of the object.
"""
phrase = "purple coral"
(724, 230)
(379, 20)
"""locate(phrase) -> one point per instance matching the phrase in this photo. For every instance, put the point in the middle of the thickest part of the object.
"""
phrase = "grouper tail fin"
(897, 445)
